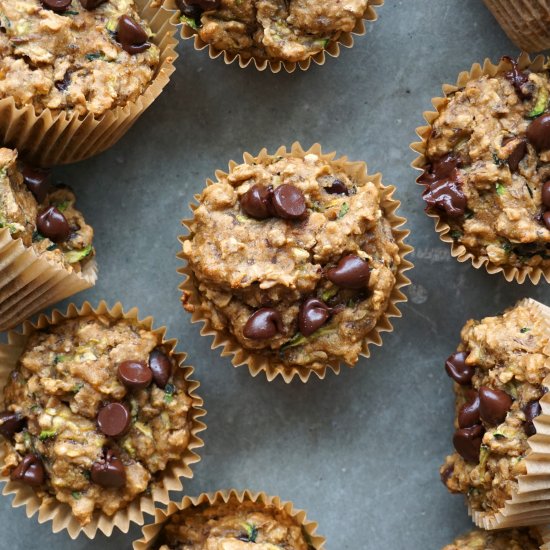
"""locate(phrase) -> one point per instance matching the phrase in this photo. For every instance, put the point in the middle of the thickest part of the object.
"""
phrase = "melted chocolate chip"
(520, 150)
(351, 272)
(518, 79)
(52, 224)
(62, 85)
(468, 415)
(546, 219)
(337, 187)
(189, 10)
(59, 6)
(204, 5)
(108, 471)
(256, 202)
(538, 133)
(531, 411)
(114, 419)
(161, 367)
(467, 442)
(446, 195)
(493, 405)
(10, 424)
(38, 182)
(263, 324)
(91, 4)
(288, 202)
(134, 374)
(131, 35)
(545, 194)
(313, 315)
(440, 169)
(30, 471)
(457, 368)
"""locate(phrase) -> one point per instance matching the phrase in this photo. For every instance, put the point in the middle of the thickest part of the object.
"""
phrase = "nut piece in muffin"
(43, 216)
(294, 257)
(94, 411)
(488, 167)
(498, 372)
(511, 539)
(285, 30)
(81, 57)
(233, 525)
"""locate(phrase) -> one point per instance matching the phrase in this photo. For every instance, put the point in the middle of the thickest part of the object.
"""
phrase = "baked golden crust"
(512, 539)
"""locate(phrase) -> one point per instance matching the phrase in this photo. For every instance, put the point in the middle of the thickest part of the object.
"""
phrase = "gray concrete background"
(359, 451)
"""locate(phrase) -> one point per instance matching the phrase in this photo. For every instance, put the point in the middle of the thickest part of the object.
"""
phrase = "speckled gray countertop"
(360, 451)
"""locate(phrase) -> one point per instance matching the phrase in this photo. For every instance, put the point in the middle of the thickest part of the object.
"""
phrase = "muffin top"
(84, 56)
(286, 30)
(233, 526)
(498, 371)
(43, 216)
(294, 257)
(488, 167)
(511, 539)
(94, 411)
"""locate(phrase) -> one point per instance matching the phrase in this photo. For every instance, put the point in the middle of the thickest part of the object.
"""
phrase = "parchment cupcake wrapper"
(345, 40)
(30, 283)
(526, 22)
(256, 362)
(530, 505)
(49, 508)
(50, 138)
(151, 531)
(458, 250)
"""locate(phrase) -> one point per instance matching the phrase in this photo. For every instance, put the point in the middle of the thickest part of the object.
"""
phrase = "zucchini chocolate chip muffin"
(512, 539)
(498, 371)
(43, 216)
(488, 167)
(80, 56)
(233, 525)
(294, 257)
(94, 411)
(282, 30)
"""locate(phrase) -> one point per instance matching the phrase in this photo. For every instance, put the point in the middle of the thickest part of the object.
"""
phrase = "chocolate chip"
(468, 415)
(38, 182)
(256, 202)
(30, 471)
(288, 202)
(52, 224)
(493, 405)
(59, 6)
(520, 150)
(313, 315)
(538, 133)
(188, 9)
(446, 195)
(440, 169)
(91, 4)
(131, 35)
(545, 194)
(518, 79)
(108, 471)
(531, 411)
(135, 374)
(62, 85)
(114, 419)
(467, 442)
(263, 324)
(351, 272)
(457, 368)
(11, 423)
(546, 219)
(204, 5)
(446, 474)
(161, 367)
(337, 187)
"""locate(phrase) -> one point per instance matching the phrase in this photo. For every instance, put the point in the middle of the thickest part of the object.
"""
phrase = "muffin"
(230, 520)
(75, 60)
(296, 259)
(97, 416)
(513, 539)
(274, 32)
(486, 162)
(500, 371)
(40, 220)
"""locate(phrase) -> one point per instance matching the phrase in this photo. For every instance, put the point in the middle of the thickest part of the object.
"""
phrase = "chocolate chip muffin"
(499, 372)
(95, 412)
(294, 258)
(512, 539)
(43, 216)
(276, 30)
(487, 171)
(80, 56)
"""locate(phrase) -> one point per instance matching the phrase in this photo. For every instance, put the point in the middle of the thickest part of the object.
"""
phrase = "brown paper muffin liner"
(49, 508)
(333, 50)
(530, 505)
(51, 138)
(151, 531)
(30, 283)
(458, 250)
(526, 22)
(272, 368)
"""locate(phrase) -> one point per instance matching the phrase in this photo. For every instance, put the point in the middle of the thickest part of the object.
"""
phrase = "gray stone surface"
(359, 451)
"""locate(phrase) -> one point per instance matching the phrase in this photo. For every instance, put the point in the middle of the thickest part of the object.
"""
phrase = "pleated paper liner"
(151, 531)
(530, 505)
(458, 250)
(51, 138)
(345, 40)
(49, 508)
(272, 367)
(526, 22)
(30, 283)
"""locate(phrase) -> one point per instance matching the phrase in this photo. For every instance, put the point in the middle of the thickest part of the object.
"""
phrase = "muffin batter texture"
(513, 539)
